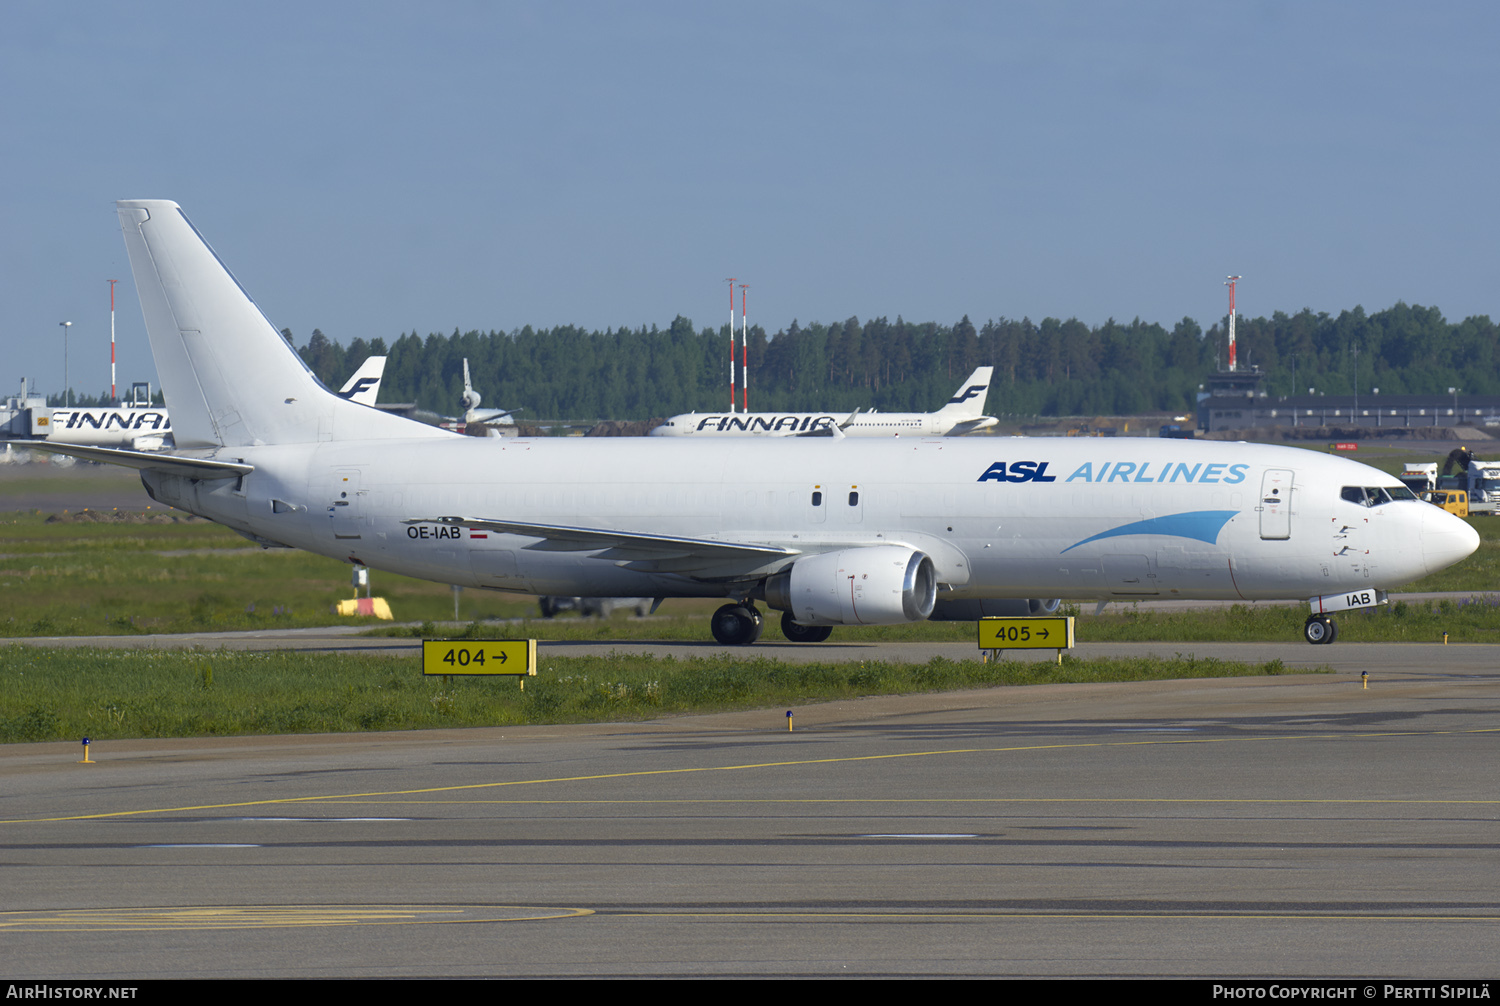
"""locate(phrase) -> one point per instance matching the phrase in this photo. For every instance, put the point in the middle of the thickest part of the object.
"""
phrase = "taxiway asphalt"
(1298, 825)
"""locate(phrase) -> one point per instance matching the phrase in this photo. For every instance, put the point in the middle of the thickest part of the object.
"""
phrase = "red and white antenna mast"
(113, 396)
(745, 360)
(730, 281)
(1230, 283)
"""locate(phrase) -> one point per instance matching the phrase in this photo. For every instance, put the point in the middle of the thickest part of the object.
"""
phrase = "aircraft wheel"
(758, 619)
(803, 633)
(735, 625)
(1320, 629)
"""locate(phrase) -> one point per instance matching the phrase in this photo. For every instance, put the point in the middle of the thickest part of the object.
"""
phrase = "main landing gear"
(798, 633)
(737, 624)
(741, 625)
(1320, 629)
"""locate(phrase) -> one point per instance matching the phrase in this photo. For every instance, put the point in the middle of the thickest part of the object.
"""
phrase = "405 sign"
(1045, 633)
(479, 656)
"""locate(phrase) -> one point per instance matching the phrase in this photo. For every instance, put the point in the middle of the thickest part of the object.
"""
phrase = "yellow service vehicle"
(1455, 501)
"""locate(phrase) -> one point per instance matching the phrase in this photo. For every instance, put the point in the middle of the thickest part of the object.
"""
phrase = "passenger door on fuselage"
(1275, 506)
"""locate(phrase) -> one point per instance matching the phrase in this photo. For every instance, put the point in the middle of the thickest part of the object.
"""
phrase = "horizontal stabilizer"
(150, 461)
(970, 425)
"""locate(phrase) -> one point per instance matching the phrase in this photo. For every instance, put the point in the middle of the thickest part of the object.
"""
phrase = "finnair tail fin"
(968, 401)
(229, 377)
(364, 386)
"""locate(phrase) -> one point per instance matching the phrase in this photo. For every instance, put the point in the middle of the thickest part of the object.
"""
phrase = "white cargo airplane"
(830, 531)
(962, 414)
(149, 427)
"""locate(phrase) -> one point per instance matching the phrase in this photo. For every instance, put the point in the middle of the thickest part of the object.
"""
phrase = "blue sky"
(374, 168)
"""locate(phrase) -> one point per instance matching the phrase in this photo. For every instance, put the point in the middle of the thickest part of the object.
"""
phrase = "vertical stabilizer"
(968, 401)
(229, 377)
(364, 386)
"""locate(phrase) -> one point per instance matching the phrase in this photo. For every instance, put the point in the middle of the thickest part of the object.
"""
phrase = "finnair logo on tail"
(359, 386)
(968, 393)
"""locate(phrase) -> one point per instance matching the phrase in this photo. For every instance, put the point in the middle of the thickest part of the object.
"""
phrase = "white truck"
(1480, 479)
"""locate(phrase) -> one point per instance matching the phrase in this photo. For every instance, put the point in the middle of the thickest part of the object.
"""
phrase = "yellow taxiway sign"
(479, 656)
(1045, 633)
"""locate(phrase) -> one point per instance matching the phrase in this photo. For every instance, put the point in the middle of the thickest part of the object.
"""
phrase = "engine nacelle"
(876, 585)
(973, 609)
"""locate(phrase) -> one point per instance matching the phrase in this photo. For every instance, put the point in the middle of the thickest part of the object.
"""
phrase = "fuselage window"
(854, 499)
(817, 499)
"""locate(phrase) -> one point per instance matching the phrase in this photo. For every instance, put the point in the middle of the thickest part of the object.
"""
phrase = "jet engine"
(875, 585)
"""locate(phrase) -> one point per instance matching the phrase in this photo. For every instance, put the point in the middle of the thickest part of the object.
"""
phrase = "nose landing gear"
(1320, 629)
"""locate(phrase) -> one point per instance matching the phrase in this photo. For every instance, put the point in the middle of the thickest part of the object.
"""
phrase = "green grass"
(48, 694)
(78, 579)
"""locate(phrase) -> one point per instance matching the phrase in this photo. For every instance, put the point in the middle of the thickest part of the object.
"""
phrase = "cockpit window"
(1375, 495)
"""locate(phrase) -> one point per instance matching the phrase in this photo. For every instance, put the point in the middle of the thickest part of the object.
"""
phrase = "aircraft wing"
(655, 552)
(192, 468)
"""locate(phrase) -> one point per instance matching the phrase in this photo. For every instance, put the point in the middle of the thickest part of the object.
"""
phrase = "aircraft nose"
(1445, 539)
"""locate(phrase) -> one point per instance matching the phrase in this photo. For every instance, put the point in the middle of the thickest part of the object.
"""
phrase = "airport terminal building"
(1236, 401)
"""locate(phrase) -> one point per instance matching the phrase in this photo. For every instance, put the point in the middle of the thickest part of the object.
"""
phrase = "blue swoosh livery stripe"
(1200, 525)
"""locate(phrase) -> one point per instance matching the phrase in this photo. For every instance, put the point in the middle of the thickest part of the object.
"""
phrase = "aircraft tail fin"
(229, 377)
(364, 386)
(968, 401)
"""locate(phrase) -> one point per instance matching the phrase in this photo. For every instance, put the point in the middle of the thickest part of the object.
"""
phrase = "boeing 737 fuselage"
(828, 531)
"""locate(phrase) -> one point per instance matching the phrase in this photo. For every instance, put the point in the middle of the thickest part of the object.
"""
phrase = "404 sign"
(479, 656)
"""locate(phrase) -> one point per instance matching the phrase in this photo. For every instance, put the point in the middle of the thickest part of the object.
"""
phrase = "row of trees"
(1051, 368)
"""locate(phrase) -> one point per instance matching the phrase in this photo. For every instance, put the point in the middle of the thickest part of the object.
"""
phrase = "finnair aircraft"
(829, 531)
(962, 414)
(149, 427)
